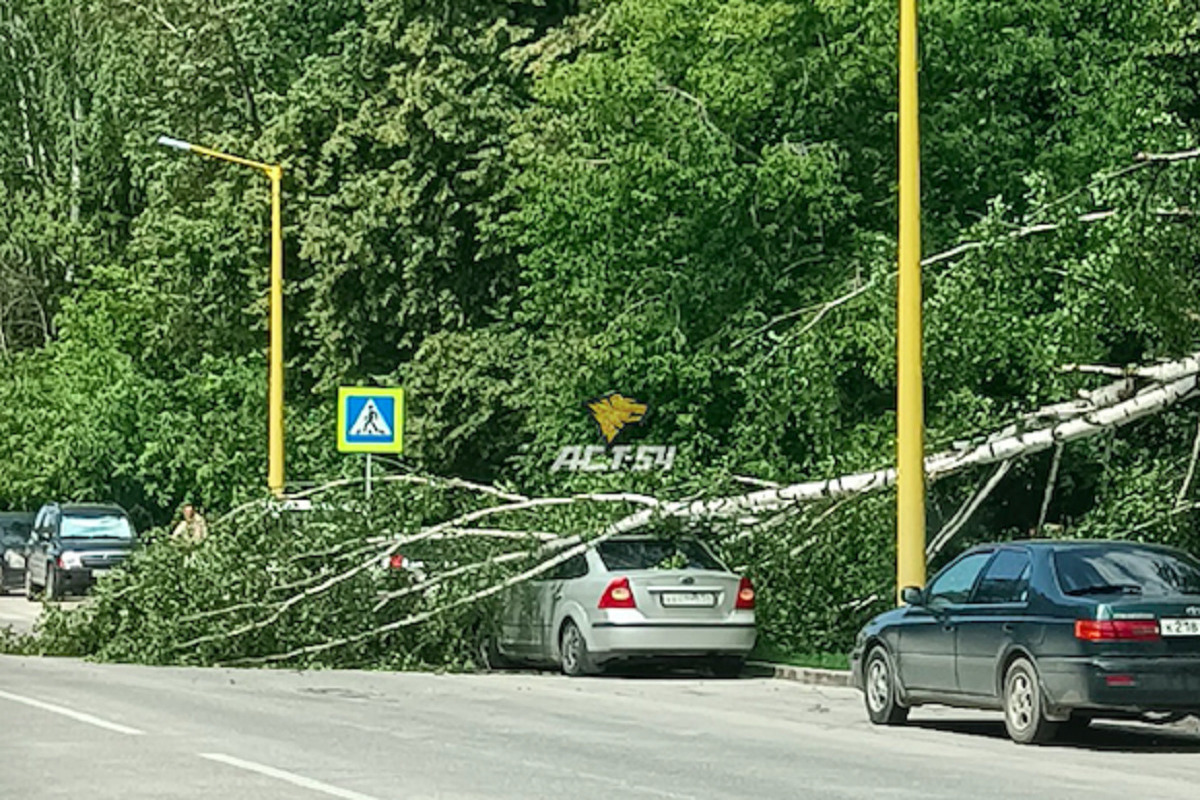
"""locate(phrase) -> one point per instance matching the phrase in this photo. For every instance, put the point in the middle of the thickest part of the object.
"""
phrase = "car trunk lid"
(1177, 618)
(684, 595)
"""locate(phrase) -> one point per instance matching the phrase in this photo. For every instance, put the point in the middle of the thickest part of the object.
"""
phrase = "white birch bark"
(1176, 382)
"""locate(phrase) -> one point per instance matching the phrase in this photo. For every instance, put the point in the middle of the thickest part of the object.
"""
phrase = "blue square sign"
(370, 420)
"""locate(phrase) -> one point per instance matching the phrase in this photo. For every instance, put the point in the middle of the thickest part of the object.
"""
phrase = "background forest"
(510, 207)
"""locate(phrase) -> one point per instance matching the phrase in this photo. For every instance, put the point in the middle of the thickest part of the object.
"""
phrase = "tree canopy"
(511, 206)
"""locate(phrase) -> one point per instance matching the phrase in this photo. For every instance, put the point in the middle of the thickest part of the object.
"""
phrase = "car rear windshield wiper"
(1107, 588)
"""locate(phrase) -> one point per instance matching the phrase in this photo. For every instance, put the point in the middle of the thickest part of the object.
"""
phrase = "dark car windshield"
(1101, 570)
(622, 554)
(106, 526)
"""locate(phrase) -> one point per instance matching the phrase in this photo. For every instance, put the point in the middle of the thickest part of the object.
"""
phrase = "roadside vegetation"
(510, 207)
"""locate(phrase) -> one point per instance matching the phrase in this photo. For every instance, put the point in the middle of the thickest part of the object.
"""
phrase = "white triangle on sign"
(370, 422)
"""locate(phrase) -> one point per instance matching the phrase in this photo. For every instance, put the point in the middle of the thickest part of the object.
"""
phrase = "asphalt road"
(79, 730)
(19, 614)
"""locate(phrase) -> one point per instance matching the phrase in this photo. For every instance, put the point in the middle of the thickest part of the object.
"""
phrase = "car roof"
(91, 509)
(1057, 545)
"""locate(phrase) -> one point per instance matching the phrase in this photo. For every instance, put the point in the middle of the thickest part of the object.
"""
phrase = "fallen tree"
(321, 588)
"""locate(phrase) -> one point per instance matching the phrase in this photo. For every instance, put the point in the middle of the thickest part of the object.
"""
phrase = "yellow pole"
(275, 480)
(275, 448)
(910, 438)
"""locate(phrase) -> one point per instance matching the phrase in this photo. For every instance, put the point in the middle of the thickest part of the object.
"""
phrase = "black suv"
(14, 533)
(71, 545)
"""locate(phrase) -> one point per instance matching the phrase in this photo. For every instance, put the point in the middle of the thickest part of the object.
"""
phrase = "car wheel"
(1024, 711)
(30, 592)
(3, 580)
(879, 690)
(727, 666)
(576, 660)
(53, 584)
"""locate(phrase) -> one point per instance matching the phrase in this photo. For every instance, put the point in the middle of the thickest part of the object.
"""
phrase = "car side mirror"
(912, 596)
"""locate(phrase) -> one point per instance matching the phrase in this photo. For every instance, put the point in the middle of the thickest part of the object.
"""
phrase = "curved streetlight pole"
(275, 448)
(910, 411)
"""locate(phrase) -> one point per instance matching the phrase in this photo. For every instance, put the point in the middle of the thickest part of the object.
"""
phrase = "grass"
(776, 654)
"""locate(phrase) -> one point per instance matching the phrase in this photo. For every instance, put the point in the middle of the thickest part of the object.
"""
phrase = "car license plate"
(700, 599)
(1179, 627)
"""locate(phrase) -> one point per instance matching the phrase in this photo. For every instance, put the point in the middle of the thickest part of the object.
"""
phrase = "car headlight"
(71, 560)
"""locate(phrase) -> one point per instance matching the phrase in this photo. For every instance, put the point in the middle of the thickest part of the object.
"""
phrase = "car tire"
(726, 667)
(53, 589)
(1024, 705)
(3, 580)
(879, 690)
(30, 593)
(573, 652)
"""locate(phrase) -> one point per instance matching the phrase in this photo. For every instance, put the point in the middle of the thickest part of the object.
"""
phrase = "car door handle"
(1007, 627)
(948, 626)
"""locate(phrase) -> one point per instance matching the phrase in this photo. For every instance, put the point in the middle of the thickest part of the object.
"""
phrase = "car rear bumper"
(1131, 685)
(646, 639)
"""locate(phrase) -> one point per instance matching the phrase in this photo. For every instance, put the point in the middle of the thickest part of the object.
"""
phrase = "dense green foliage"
(509, 206)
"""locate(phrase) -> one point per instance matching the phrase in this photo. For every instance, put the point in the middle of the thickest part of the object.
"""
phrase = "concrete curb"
(809, 675)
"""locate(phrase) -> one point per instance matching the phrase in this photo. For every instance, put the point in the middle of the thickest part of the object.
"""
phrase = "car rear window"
(623, 554)
(1099, 570)
(109, 526)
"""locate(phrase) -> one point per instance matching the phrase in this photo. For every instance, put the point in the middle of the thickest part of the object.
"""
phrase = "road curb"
(809, 675)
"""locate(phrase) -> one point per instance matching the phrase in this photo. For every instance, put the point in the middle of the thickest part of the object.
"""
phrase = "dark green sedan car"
(1053, 633)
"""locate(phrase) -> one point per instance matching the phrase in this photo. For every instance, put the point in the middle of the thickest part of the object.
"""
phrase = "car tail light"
(1120, 681)
(618, 595)
(745, 596)
(59, 562)
(396, 561)
(1110, 630)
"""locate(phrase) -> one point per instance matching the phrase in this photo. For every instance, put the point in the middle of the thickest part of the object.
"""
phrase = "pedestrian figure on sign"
(192, 529)
(371, 425)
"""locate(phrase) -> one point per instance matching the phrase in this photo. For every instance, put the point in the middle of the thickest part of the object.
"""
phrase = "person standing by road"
(192, 529)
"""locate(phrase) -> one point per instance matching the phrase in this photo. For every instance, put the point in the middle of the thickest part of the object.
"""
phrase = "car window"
(574, 567)
(954, 584)
(14, 534)
(107, 526)
(1006, 579)
(1108, 570)
(623, 554)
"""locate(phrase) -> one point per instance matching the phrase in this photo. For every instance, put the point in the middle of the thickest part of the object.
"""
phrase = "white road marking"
(79, 716)
(289, 777)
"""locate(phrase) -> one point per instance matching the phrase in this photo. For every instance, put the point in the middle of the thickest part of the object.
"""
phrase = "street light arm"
(179, 144)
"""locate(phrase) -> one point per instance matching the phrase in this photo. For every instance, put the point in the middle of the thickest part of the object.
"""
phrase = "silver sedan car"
(633, 597)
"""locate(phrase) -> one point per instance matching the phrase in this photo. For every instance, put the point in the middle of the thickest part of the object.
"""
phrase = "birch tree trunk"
(1111, 407)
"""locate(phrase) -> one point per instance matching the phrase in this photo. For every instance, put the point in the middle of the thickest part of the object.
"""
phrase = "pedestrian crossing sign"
(370, 420)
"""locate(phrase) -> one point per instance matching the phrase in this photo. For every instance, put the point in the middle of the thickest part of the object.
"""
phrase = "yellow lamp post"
(275, 479)
(910, 412)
